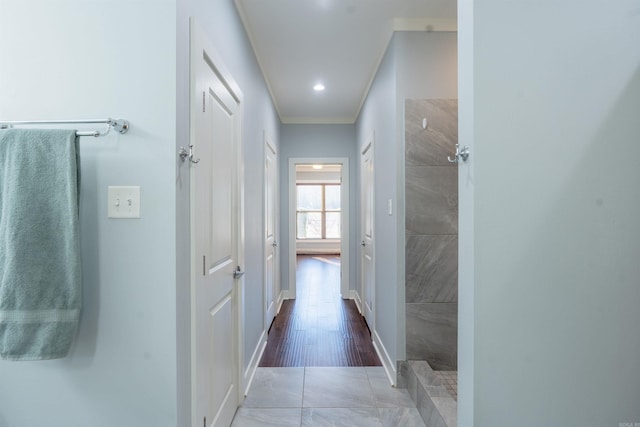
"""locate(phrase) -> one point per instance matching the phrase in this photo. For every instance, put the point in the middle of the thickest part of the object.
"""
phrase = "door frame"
(269, 145)
(344, 209)
(199, 42)
(368, 145)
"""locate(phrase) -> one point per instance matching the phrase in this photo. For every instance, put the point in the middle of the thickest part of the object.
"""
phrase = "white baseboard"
(280, 300)
(254, 362)
(355, 296)
(284, 294)
(388, 364)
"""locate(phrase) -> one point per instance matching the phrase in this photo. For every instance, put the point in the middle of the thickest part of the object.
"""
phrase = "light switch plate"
(123, 202)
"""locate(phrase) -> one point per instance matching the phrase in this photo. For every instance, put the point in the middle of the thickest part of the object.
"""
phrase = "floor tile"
(384, 394)
(427, 409)
(276, 388)
(448, 409)
(405, 417)
(337, 387)
(340, 417)
(267, 417)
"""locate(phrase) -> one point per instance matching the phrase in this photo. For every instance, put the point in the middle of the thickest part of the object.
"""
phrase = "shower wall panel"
(431, 197)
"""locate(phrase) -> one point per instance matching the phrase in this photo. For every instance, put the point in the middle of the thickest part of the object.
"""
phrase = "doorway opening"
(319, 217)
(319, 323)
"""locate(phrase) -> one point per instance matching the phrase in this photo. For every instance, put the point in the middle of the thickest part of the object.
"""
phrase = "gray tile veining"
(383, 393)
(437, 391)
(412, 385)
(276, 388)
(431, 268)
(433, 401)
(439, 345)
(340, 417)
(331, 396)
(266, 417)
(431, 221)
(448, 409)
(425, 375)
(337, 388)
(431, 194)
(431, 146)
(427, 409)
(405, 417)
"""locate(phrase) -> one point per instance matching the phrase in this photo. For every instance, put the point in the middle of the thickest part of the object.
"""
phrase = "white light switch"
(123, 202)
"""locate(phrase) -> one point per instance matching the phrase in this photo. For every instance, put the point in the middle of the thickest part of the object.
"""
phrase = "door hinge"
(204, 422)
(204, 95)
(204, 266)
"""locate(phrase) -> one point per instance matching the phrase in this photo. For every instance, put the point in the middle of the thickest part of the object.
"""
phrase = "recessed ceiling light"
(319, 87)
(317, 167)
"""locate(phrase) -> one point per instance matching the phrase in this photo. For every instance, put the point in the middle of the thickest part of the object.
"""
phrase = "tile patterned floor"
(326, 396)
(450, 380)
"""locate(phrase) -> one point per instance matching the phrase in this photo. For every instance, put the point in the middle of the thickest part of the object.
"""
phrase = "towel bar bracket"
(120, 125)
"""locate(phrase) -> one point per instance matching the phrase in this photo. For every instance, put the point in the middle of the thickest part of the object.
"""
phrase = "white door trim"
(270, 146)
(201, 48)
(344, 240)
(368, 146)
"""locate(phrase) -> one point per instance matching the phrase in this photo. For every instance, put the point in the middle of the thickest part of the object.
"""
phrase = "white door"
(215, 243)
(366, 233)
(271, 243)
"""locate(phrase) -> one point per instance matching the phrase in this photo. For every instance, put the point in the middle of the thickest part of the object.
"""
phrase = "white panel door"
(215, 237)
(366, 233)
(271, 244)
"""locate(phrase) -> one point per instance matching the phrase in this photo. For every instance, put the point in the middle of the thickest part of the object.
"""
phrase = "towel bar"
(120, 125)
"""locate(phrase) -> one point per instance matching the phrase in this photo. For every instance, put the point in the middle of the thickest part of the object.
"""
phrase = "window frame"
(322, 212)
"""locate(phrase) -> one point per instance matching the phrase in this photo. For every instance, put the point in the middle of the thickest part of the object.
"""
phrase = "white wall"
(557, 237)
(220, 21)
(316, 141)
(73, 59)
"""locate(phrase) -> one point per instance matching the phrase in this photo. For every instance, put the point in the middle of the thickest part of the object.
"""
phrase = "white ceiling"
(338, 43)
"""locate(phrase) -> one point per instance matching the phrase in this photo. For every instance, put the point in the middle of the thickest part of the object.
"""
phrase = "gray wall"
(431, 191)
(317, 141)
(553, 128)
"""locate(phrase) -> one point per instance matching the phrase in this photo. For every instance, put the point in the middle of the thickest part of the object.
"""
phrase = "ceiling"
(339, 43)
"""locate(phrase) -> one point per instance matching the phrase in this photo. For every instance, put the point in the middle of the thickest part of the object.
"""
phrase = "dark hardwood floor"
(319, 328)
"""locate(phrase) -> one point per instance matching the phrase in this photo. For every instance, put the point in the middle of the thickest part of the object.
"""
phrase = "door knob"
(274, 244)
(363, 244)
(238, 273)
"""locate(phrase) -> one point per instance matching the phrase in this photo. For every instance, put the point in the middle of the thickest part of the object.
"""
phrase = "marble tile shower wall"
(431, 194)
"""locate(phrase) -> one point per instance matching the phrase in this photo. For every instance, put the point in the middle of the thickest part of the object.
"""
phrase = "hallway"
(319, 328)
(320, 367)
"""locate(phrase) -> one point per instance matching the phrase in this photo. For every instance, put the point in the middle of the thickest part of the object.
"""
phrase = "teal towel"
(40, 293)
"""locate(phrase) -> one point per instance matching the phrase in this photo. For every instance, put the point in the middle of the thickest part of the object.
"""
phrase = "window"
(318, 211)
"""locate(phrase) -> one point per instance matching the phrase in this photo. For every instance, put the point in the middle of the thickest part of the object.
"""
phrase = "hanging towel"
(40, 293)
